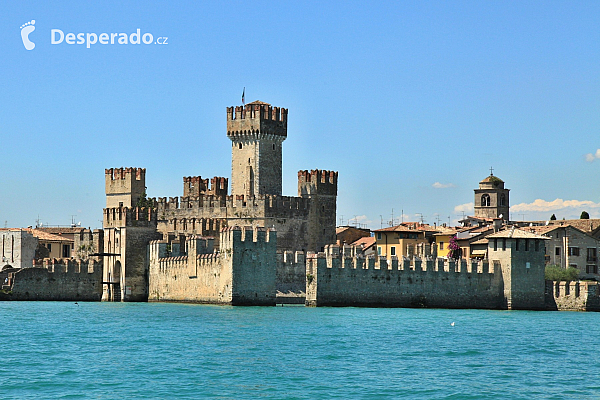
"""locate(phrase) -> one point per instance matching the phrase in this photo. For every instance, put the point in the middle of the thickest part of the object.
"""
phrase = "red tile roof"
(366, 242)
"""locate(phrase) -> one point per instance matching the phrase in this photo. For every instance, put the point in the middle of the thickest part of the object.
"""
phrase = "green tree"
(556, 273)
(553, 217)
(584, 215)
(144, 202)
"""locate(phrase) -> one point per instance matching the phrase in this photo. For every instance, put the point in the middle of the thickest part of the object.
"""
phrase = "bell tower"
(257, 131)
(491, 199)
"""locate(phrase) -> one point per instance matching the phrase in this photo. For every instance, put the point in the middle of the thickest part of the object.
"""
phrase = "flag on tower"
(244, 96)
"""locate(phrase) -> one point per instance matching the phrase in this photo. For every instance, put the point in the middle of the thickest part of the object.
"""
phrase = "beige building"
(58, 246)
(398, 240)
(570, 247)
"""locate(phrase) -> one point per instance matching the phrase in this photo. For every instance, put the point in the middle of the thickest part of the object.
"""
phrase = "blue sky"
(411, 102)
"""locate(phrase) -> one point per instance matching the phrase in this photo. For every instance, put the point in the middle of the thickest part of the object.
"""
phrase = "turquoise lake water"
(183, 351)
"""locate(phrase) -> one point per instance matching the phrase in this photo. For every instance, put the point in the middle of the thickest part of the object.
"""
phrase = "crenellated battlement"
(69, 265)
(247, 237)
(572, 296)
(125, 173)
(351, 257)
(195, 186)
(317, 182)
(256, 119)
(124, 186)
(257, 202)
(125, 216)
(344, 276)
(242, 272)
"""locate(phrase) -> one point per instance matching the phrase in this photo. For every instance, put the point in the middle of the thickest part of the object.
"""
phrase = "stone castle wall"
(58, 280)
(17, 249)
(291, 274)
(302, 223)
(242, 273)
(346, 279)
(572, 296)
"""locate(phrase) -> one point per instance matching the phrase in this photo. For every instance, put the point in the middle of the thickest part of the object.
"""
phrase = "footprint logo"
(26, 29)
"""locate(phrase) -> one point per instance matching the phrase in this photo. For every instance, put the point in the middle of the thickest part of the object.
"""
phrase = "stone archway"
(114, 282)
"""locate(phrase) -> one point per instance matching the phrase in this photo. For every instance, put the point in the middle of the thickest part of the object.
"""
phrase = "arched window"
(485, 200)
(502, 199)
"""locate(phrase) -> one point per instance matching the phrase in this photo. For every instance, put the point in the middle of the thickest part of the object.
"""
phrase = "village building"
(367, 245)
(399, 240)
(350, 234)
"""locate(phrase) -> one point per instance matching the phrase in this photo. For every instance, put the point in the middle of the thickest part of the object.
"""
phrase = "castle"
(257, 131)
(247, 247)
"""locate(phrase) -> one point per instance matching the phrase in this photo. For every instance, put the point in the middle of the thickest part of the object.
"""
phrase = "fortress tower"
(127, 230)
(491, 199)
(257, 131)
(320, 187)
(124, 186)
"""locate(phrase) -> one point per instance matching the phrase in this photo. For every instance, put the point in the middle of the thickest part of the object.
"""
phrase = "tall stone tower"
(491, 199)
(520, 257)
(257, 131)
(320, 187)
(127, 231)
(124, 186)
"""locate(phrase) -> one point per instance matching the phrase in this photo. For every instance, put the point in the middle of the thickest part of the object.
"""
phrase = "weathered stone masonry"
(242, 273)
(513, 278)
(57, 280)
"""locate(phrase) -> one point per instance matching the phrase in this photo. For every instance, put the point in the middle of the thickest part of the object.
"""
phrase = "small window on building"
(379, 236)
(240, 146)
(574, 251)
(49, 247)
(502, 199)
(273, 146)
(495, 244)
(591, 254)
(393, 250)
(378, 250)
(66, 251)
(441, 245)
(503, 244)
(526, 244)
(557, 251)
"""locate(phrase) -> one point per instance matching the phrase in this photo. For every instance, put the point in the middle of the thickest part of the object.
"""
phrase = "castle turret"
(491, 199)
(257, 132)
(195, 186)
(520, 256)
(127, 231)
(124, 186)
(321, 187)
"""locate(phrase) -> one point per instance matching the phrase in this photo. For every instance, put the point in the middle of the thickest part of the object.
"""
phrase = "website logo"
(57, 36)
(26, 29)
